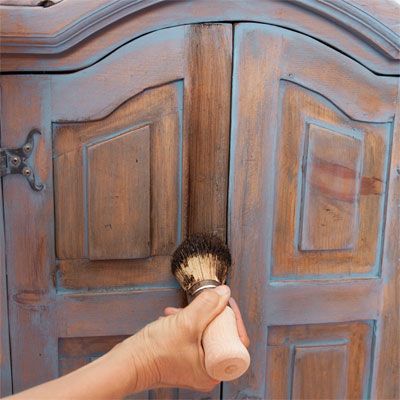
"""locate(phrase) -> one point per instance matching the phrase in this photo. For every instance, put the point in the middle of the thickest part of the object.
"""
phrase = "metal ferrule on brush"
(198, 287)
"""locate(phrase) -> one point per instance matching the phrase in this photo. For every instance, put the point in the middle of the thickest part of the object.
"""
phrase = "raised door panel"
(134, 156)
(331, 175)
(311, 152)
(320, 361)
(124, 169)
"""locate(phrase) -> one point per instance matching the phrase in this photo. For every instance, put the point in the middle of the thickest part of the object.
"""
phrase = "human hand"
(173, 354)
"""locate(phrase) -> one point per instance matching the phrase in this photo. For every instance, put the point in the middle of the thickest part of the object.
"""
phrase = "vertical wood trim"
(29, 236)
(386, 382)
(5, 362)
(251, 196)
(207, 122)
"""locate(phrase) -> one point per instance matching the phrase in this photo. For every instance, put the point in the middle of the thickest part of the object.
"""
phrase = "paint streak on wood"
(331, 190)
(324, 222)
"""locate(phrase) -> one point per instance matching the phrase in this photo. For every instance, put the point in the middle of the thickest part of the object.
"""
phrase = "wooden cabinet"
(160, 119)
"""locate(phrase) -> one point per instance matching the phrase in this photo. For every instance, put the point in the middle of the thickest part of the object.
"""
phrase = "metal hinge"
(14, 161)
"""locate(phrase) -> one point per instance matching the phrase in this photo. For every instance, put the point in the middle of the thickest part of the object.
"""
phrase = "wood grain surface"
(5, 362)
(266, 135)
(207, 125)
(34, 39)
(106, 272)
(266, 202)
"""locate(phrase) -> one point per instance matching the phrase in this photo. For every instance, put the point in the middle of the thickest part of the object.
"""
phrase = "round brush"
(202, 262)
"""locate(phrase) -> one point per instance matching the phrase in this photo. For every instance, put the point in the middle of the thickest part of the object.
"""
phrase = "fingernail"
(222, 290)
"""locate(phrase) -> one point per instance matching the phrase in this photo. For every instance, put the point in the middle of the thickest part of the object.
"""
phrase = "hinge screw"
(27, 148)
(26, 171)
(15, 160)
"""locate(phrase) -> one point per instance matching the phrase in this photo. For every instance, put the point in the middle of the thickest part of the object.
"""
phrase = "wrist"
(140, 362)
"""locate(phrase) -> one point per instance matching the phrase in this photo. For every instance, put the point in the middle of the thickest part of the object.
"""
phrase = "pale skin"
(165, 353)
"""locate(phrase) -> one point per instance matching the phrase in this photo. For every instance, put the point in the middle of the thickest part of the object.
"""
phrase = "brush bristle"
(200, 257)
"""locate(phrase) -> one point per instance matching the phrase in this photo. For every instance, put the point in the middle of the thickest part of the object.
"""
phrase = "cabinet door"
(134, 156)
(312, 220)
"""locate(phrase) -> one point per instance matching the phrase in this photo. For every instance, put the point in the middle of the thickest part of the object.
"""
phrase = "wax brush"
(201, 262)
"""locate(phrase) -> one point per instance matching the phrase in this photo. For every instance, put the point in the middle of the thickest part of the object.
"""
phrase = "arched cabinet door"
(133, 155)
(312, 206)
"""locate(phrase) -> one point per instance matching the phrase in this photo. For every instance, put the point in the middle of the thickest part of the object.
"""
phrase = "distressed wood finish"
(38, 39)
(331, 181)
(119, 175)
(5, 364)
(137, 225)
(387, 385)
(207, 126)
(327, 361)
(139, 104)
(29, 243)
(139, 144)
(339, 190)
(287, 87)
(76, 352)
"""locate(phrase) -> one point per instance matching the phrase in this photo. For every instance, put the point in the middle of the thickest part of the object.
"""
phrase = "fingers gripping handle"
(226, 358)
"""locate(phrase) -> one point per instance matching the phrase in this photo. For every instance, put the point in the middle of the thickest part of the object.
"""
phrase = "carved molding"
(57, 35)
(28, 31)
(358, 22)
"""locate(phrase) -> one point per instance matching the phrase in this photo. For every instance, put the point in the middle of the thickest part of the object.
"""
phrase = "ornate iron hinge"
(14, 161)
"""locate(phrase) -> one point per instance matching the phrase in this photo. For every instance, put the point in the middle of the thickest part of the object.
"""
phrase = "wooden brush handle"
(226, 358)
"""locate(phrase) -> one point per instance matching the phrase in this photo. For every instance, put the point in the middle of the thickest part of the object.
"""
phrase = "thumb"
(206, 306)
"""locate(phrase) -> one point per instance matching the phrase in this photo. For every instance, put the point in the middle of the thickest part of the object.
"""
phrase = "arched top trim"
(57, 37)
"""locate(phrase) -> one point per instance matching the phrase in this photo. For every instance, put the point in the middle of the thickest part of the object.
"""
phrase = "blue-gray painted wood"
(265, 57)
(339, 23)
(5, 359)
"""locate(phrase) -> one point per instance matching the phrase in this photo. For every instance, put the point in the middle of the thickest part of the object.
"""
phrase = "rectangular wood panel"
(330, 189)
(321, 361)
(331, 183)
(319, 371)
(119, 196)
(69, 205)
(123, 170)
(116, 208)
